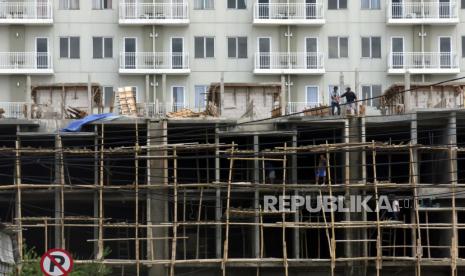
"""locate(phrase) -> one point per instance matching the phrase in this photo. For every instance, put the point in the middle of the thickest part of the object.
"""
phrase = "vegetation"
(31, 266)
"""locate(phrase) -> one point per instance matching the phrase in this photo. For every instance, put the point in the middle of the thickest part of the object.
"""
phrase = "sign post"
(56, 262)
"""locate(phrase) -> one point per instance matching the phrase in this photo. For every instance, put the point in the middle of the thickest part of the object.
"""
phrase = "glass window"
(209, 47)
(204, 47)
(343, 47)
(371, 47)
(204, 4)
(333, 47)
(312, 97)
(371, 94)
(237, 4)
(68, 5)
(69, 47)
(337, 4)
(371, 4)
(366, 47)
(101, 4)
(102, 47)
(463, 46)
(199, 45)
(237, 47)
(108, 96)
(201, 96)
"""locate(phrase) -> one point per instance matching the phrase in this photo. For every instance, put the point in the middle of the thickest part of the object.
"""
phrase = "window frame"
(317, 95)
(370, 44)
(236, 5)
(197, 102)
(236, 42)
(102, 5)
(184, 94)
(68, 38)
(204, 55)
(370, 6)
(202, 8)
(104, 97)
(103, 47)
(68, 6)
(339, 47)
(371, 101)
(339, 5)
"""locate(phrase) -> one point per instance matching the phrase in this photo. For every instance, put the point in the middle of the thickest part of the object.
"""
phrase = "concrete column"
(89, 93)
(57, 196)
(256, 176)
(284, 99)
(158, 208)
(147, 89)
(28, 96)
(221, 101)
(163, 90)
(407, 105)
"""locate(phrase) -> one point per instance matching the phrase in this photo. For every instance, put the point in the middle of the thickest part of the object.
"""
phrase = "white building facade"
(171, 51)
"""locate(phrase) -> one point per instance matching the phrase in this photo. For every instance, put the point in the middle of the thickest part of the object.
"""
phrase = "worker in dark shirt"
(350, 98)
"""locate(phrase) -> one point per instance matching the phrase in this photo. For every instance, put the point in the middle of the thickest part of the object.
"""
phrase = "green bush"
(31, 266)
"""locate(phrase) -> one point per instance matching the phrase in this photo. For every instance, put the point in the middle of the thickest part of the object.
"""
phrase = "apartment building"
(171, 51)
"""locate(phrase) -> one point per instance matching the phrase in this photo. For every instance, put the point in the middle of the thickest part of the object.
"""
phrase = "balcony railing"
(149, 62)
(160, 13)
(423, 12)
(30, 12)
(423, 62)
(17, 110)
(296, 107)
(292, 63)
(291, 13)
(25, 63)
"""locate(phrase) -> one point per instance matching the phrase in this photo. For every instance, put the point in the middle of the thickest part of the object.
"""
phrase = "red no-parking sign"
(56, 262)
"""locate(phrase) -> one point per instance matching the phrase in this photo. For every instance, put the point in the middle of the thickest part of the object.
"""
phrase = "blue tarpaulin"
(76, 126)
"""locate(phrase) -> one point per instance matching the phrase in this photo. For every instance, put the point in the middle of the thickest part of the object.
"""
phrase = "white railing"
(25, 10)
(295, 107)
(284, 60)
(425, 60)
(154, 61)
(25, 60)
(13, 110)
(291, 11)
(154, 11)
(423, 10)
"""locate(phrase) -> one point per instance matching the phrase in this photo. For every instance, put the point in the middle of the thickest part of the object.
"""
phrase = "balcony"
(30, 12)
(13, 110)
(33, 63)
(433, 12)
(154, 63)
(423, 63)
(289, 63)
(154, 13)
(290, 13)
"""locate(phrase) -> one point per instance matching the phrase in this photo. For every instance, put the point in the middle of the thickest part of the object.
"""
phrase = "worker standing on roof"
(350, 100)
(335, 99)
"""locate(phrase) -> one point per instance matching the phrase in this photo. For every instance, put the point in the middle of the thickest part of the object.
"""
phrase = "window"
(463, 4)
(102, 47)
(371, 5)
(338, 47)
(204, 47)
(204, 5)
(178, 99)
(463, 46)
(201, 92)
(69, 47)
(237, 47)
(371, 94)
(237, 4)
(371, 47)
(108, 96)
(312, 97)
(68, 5)
(101, 4)
(337, 4)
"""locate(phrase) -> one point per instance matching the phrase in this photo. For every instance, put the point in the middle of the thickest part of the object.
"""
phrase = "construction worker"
(351, 97)
(321, 170)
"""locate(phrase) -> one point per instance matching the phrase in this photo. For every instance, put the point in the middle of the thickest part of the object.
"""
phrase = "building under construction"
(152, 195)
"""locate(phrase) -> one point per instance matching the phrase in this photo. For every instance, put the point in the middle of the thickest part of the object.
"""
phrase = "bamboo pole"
(333, 232)
(228, 202)
(286, 265)
(454, 243)
(18, 199)
(418, 249)
(136, 183)
(100, 215)
(378, 228)
(175, 213)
